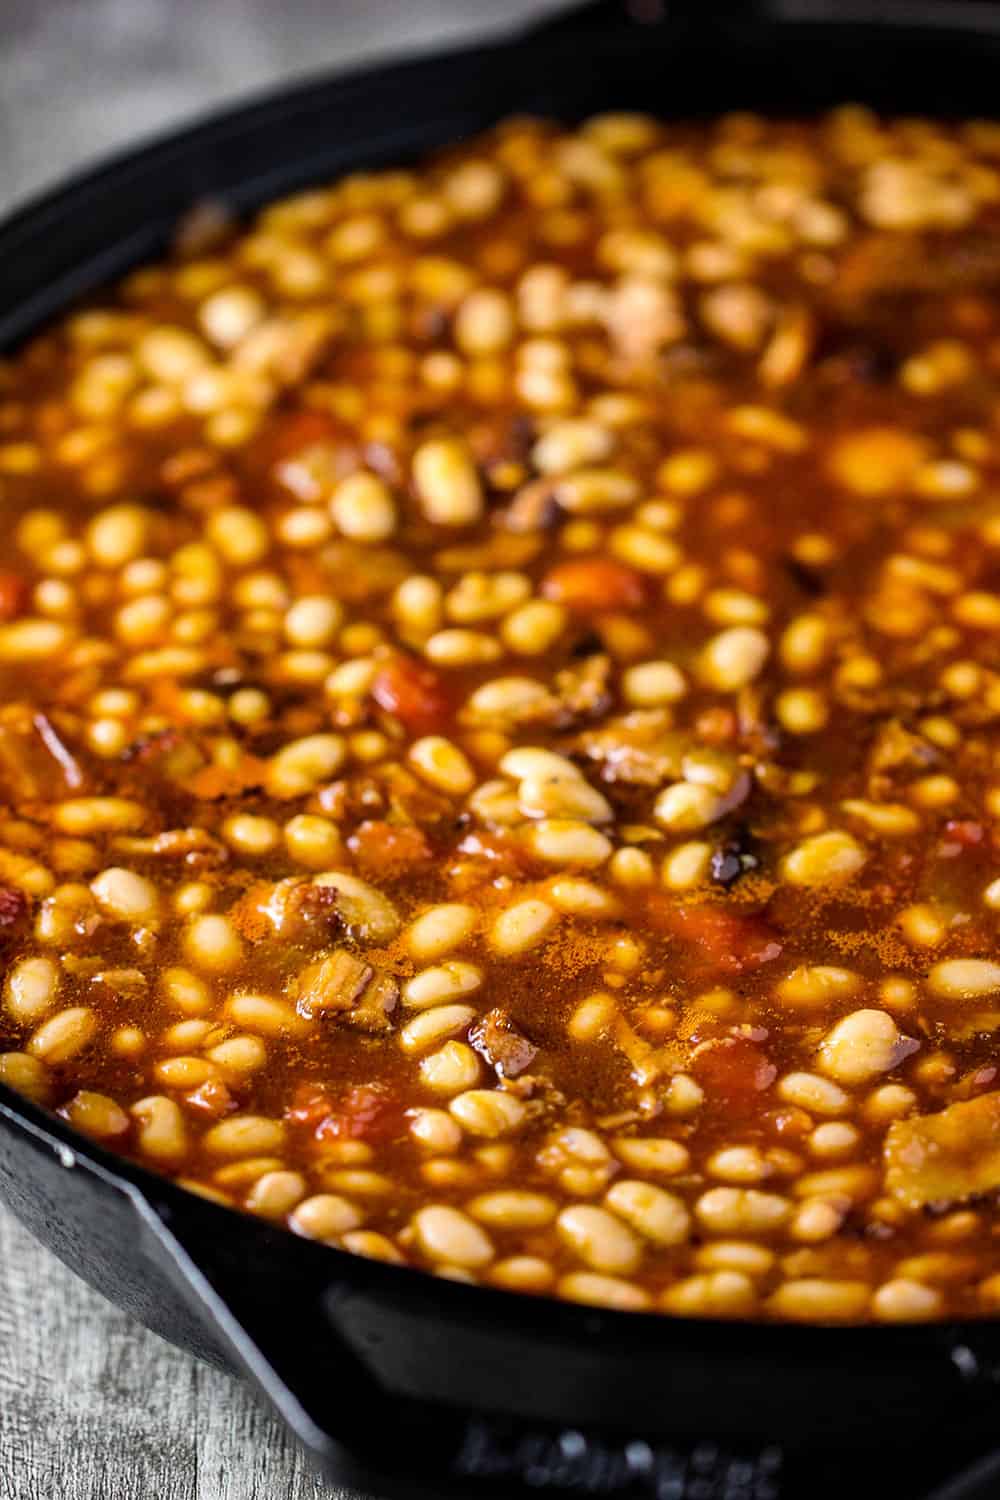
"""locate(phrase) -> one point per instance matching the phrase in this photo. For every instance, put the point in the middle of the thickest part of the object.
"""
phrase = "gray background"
(91, 1406)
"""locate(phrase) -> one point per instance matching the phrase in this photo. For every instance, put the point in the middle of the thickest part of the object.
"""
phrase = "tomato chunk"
(301, 429)
(309, 1106)
(964, 832)
(724, 941)
(364, 1113)
(13, 907)
(732, 1068)
(212, 1099)
(14, 594)
(485, 857)
(590, 584)
(416, 694)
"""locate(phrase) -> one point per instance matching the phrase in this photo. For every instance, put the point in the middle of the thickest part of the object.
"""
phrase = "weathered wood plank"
(93, 1407)
(244, 1454)
(90, 1405)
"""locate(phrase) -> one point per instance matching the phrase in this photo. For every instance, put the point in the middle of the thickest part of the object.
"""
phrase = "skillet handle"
(394, 1447)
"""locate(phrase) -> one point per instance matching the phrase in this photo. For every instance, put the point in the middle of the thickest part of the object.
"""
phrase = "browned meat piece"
(580, 693)
(364, 996)
(412, 800)
(333, 983)
(290, 909)
(497, 1040)
(896, 747)
(583, 690)
(639, 749)
(896, 754)
(945, 1157)
(647, 1062)
(376, 1005)
(358, 797)
(759, 734)
(110, 985)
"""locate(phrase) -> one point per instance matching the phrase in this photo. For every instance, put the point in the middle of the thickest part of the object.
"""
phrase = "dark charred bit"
(736, 858)
(856, 353)
(807, 579)
(586, 645)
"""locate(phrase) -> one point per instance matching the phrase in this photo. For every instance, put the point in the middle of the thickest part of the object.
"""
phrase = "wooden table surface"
(92, 1407)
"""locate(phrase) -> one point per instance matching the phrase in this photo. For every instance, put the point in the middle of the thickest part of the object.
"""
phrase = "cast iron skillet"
(401, 1382)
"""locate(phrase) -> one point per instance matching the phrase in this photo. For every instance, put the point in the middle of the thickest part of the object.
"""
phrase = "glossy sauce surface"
(498, 746)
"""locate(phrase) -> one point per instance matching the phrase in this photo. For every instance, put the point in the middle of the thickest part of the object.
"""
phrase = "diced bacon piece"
(345, 984)
(945, 1157)
(497, 1039)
